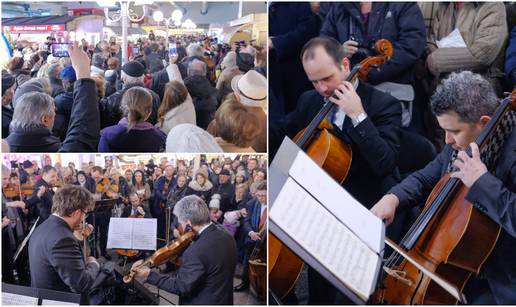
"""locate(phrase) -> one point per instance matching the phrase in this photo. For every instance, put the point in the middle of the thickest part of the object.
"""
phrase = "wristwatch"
(360, 118)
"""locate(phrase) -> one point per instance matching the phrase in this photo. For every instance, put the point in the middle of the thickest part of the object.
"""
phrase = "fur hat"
(192, 139)
(215, 201)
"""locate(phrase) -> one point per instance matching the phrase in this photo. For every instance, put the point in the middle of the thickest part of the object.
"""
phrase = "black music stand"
(102, 206)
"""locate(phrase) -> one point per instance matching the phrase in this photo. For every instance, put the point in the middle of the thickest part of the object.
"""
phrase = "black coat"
(88, 185)
(374, 142)
(401, 23)
(291, 25)
(158, 82)
(206, 275)
(128, 209)
(112, 112)
(495, 196)
(57, 86)
(56, 260)
(204, 97)
(227, 192)
(44, 204)
(83, 129)
(64, 104)
(7, 116)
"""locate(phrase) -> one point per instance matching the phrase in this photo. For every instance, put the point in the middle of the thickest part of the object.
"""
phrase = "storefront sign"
(33, 28)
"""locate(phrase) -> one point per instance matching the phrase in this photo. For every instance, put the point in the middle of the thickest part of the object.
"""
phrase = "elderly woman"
(34, 115)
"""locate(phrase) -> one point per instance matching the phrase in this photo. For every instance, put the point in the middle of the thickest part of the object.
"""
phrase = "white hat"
(251, 88)
(215, 201)
(192, 139)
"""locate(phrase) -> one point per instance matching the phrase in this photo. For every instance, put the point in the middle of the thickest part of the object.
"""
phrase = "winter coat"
(203, 192)
(182, 114)
(204, 97)
(7, 116)
(57, 86)
(400, 22)
(224, 81)
(510, 60)
(111, 107)
(143, 137)
(483, 27)
(83, 130)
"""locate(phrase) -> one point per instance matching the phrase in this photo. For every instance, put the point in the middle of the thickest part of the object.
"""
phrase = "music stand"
(42, 294)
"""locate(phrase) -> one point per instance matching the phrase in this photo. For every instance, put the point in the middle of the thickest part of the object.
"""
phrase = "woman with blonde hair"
(176, 108)
(236, 126)
(133, 133)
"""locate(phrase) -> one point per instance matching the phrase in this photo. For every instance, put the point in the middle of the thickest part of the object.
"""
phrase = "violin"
(13, 190)
(331, 154)
(171, 251)
(130, 252)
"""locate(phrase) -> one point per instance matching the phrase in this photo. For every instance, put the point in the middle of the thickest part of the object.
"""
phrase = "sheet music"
(16, 299)
(326, 238)
(338, 201)
(120, 233)
(132, 233)
(52, 302)
(145, 234)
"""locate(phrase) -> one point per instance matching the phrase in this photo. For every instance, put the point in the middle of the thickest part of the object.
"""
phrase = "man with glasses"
(254, 223)
(55, 255)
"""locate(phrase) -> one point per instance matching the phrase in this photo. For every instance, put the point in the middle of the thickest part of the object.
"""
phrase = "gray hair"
(129, 80)
(97, 60)
(467, 94)
(30, 108)
(229, 60)
(54, 70)
(194, 50)
(196, 68)
(192, 208)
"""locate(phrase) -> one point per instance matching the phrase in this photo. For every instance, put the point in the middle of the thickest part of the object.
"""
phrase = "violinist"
(463, 104)
(367, 119)
(135, 209)
(162, 187)
(56, 259)
(140, 187)
(43, 191)
(101, 217)
(206, 274)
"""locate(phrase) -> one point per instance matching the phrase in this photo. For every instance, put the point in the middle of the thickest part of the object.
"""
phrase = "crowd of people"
(233, 192)
(200, 96)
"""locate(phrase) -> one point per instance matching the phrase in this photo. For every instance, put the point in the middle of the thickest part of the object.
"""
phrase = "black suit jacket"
(56, 260)
(494, 195)
(206, 276)
(375, 141)
(43, 204)
(127, 211)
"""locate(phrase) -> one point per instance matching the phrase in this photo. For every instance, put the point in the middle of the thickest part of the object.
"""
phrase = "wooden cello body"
(450, 238)
(331, 154)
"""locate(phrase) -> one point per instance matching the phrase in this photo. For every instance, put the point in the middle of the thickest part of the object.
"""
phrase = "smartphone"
(136, 50)
(60, 50)
(172, 49)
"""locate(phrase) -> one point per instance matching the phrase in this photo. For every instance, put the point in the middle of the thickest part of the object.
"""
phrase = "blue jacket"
(510, 60)
(144, 137)
(400, 22)
(495, 196)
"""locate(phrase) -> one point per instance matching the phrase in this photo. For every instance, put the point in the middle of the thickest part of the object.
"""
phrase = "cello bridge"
(399, 275)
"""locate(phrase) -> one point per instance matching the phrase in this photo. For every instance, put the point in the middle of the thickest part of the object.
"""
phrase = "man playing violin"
(367, 119)
(206, 275)
(463, 105)
(135, 208)
(162, 187)
(56, 259)
(102, 185)
(43, 192)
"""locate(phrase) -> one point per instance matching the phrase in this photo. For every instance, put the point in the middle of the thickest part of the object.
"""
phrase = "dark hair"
(47, 168)
(96, 169)
(175, 94)
(71, 198)
(332, 47)
(15, 63)
(467, 94)
(134, 177)
(262, 186)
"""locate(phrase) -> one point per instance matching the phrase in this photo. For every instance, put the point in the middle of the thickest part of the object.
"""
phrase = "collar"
(204, 227)
(139, 126)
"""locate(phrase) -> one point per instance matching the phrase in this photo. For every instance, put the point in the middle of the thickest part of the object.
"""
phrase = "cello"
(331, 154)
(450, 238)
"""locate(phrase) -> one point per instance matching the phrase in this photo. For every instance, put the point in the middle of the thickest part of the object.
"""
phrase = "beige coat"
(484, 29)
(182, 114)
(224, 81)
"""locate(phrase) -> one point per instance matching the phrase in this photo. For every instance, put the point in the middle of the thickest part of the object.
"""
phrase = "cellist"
(367, 119)
(463, 104)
